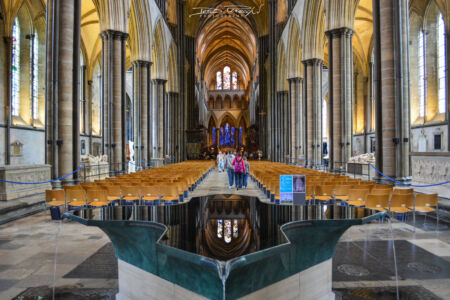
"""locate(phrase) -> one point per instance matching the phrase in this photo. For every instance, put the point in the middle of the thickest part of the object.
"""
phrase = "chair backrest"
(72, 187)
(96, 195)
(150, 190)
(55, 195)
(325, 190)
(400, 191)
(343, 189)
(113, 190)
(381, 192)
(129, 190)
(427, 200)
(377, 201)
(358, 194)
(401, 200)
(75, 195)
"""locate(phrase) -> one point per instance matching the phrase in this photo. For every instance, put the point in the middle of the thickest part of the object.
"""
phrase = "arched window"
(421, 72)
(441, 63)
(226, 78)
(219, 80)
(15, 63)
(234, 81)
(35, 76)
(96, 100)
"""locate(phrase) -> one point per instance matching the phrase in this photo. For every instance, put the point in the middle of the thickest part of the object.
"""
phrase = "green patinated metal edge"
(140, 246)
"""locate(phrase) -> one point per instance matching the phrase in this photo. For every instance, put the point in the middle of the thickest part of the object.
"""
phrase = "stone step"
(22, 207)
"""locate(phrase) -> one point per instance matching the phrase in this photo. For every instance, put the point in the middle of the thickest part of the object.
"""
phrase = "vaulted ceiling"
(226, 41)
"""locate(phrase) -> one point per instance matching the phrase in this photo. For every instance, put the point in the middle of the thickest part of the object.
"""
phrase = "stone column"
(391, 73)
(272, 86)
(8, 99)
(296, 118)
(83, 99)
(114, 99)
(313, 111)
(62, 93)
(340, 95)
(447, 76)
(157, 119)
(173, 121)
(181, 107)
(89, 129)
(141, 76)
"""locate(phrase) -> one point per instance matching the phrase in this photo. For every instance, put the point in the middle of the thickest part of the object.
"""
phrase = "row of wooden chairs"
(167, 185)
(325, 187)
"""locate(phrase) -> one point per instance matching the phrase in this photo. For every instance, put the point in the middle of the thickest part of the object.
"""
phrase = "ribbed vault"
(226, 41)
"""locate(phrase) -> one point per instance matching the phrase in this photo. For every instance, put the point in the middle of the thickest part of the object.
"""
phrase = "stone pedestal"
(23, 173)
(430, 167)
(312, 283)
(98, 171)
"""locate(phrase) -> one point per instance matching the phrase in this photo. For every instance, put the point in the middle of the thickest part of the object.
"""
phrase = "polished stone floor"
(363, 268)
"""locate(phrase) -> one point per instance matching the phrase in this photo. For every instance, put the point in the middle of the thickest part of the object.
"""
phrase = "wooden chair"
(377, 202)
(399, 204)
(342, 191)
(97, 198)
(325, 192)
(112, 192)
(400, 191)
(55, 197)
(130, 193)
(387, 192)
(169, 193)
(425, 203)
(357, 197)
(75, 198)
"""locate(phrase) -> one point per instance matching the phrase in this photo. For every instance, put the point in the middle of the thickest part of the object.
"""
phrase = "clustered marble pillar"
(340, 95)
(312, 130)
(273, 146)
(62, 94)
(141, 110)
(447, 76)
(174, 126)
(281, 126)
(296, 118)
(113, 99)
(391, 76)
(157, 118)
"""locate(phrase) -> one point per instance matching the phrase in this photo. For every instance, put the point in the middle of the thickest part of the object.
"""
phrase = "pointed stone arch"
(140, 27)
(294, 52)
(172, 79)
(282, 84)
(159, 52)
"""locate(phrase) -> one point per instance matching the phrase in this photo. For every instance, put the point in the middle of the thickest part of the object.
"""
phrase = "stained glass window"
(219, 229)
(219, 80)
(241, 136)
(421, 67)
(235, 229)
(227, 231)
(35, 69)
(15, 62)
(441, 63)
(226, 78)
(234, 81)
(214, 138)
(221, 136)
(227, 134)
(233, 136)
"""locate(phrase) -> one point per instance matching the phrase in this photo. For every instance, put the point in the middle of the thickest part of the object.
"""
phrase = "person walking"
(229, 158)
(239, 170)
(220, 161)
(247, 171)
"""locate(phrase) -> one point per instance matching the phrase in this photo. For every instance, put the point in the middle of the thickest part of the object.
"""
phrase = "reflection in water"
(224, 226)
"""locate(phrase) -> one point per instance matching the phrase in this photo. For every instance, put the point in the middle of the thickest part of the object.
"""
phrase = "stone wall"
(430, 167)
(23, 173)
(422, 138)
